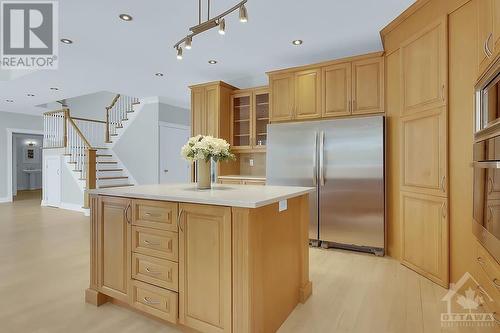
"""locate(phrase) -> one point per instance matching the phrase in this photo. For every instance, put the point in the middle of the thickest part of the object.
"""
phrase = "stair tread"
(105, 170)
(108, 178)
(111, 186)
(106, 162)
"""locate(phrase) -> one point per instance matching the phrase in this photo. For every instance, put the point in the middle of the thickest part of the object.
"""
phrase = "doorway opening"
(25, 161)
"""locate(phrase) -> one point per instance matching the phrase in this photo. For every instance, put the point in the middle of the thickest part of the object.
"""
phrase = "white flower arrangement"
(205, 148)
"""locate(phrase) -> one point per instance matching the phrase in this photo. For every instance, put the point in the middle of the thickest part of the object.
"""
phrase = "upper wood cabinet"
(368, 86)
(488, 32)
(308, 94)
(425, 235)
(249, 119)
(210, 109)
(424, 69)
(114, 252)
(424, 152)
(205, 280)
(336, 90)
(282, 95)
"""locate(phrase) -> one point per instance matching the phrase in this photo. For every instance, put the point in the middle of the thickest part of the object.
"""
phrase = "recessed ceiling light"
(54, 88)
(66, 41)
(159, 74)
(297, 42)
(212, 62)
(9, 101)
(125, 17)
(30, 95)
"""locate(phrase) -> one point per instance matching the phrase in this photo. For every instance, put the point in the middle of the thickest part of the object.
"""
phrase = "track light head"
(179, 52)
(243, 14)
(188, 43)
(222, 27)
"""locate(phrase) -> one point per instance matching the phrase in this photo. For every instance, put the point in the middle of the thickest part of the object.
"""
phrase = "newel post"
(65, 126)
(107, 125)
(91, 173)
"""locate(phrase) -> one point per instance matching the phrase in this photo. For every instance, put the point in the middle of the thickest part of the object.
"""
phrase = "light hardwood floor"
(44, 270)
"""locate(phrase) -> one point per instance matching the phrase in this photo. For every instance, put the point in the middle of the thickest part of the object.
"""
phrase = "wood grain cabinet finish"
(155, 214)
(424, 69)
(155, 301)
(488, 32)
(114, 254)
(159, 272)
(156, 243)
(212, 110)
(198, 113)
(425, 235)
(205, 267)
(308, 94)
(336, 90)
(368, 86)
(282, 97)
(424, 149)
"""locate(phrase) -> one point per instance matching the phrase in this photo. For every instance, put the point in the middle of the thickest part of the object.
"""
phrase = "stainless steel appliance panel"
(351, 182)
(292, 160)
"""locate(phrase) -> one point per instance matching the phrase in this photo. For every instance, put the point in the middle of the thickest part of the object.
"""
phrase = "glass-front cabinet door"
(241, 127)
(261, 118)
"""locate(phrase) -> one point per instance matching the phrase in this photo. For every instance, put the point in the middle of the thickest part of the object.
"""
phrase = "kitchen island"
(231, 259)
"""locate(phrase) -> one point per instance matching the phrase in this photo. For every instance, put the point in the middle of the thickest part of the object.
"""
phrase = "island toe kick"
(207, 267)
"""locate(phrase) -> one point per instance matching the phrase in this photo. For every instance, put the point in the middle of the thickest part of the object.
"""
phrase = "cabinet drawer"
(254, 182)
(155, 214)
(159, 272)
(157, 243)
(489, 266)
(156, 301)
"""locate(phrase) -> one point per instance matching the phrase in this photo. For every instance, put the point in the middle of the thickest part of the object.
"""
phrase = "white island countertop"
(247, 196)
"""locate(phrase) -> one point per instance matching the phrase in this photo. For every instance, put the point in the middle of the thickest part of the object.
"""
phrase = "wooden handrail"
(89, 120)
(56, 111)
(113, 102)
(108, 108)
(87, 144)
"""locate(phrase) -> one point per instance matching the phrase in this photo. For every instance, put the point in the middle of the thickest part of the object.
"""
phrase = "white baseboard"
(5, 199)
(73, 207)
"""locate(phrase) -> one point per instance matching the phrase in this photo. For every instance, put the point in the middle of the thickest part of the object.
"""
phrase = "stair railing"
(93, 130)
(116, 113)
(54, 128)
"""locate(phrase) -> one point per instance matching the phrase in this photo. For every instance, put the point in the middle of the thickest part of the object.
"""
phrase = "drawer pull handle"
(179, 220)
(490, 185)
(151, 243)
(152, 215)
(151, 302)
(496, 282)
(443, 188)
(495, 318)
(480, 260)
(487, 45)
(152, 272)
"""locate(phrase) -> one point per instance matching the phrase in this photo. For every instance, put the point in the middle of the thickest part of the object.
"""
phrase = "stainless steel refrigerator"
(344, 160)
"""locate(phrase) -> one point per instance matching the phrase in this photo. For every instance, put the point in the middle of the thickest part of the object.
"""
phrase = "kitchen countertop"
(246, 196)
(242, 177)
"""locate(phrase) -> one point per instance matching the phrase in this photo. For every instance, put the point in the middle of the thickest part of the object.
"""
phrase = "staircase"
(88, 144)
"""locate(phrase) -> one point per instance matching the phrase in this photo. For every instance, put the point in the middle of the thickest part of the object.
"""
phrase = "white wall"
(174, 115)
(92, 106)
(20, 179)
(138, 147)
(18, 121)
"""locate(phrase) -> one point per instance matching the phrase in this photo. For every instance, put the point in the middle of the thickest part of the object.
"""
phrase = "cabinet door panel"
(212, 110)
(205, 267)
(484, 32)
(282, 97)
(424, 152)
(424, 69)
(425, 235)
(308, 94)
(337, 90)
(198, 115)
(496, 26)
(114, 252)
(368, 86)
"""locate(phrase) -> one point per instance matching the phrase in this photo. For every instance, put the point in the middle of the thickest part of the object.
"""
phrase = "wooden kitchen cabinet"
(424, 69)
(308, 94)
(368, 86)
(425, 235)
(205, 267)
(424, 152)
(282, 96)
(113, 251)
(485, 39)
(336, 90)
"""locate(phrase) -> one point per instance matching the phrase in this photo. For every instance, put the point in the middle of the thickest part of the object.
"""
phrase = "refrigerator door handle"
(321, 159)
(315, 160)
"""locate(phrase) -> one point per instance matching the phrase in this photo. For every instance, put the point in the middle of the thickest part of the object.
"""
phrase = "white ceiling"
(112, 55)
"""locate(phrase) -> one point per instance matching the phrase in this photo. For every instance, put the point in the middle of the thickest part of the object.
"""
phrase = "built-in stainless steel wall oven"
(486, 225)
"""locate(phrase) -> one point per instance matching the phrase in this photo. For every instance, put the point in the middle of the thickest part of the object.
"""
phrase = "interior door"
(173, 168)
(52, 181)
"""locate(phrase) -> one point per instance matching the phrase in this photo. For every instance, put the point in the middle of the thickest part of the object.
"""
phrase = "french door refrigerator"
(344, 160)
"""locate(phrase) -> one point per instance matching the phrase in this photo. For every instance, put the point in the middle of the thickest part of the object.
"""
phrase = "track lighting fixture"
(216, 21)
